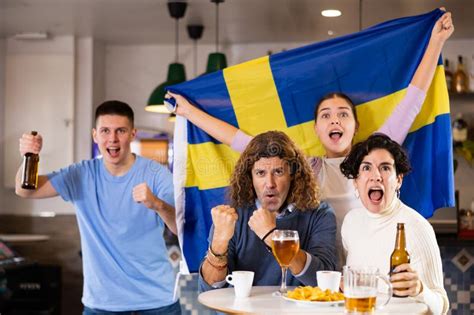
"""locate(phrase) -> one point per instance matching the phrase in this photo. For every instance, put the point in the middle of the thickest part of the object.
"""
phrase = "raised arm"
(33, 144)
(400, 121)
(142, 194)
(214, 266)
(442, 30)
(220, 130)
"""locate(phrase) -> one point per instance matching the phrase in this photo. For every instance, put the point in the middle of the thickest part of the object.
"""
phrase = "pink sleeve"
(240, 141)
(400, 121)
(316, 163)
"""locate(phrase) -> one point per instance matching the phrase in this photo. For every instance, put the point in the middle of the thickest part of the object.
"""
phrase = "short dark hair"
(350, 165)
(115, 108)
(332, 95)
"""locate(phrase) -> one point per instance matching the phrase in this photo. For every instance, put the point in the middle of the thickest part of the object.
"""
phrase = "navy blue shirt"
(317, 233)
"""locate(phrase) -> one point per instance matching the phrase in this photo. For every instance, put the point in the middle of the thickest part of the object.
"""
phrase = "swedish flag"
(373, 67)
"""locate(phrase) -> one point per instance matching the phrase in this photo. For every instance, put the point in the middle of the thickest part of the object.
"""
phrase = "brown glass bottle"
(460, 129)
(460, 78)
(448, 74)
(399, 255)
(29, 178)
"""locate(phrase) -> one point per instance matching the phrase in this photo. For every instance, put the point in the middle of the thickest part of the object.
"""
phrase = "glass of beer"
(361, 289)
(285, 245)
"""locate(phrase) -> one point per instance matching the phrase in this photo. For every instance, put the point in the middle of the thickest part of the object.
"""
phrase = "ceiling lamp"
(176, 72)
(216, 61)
(331, 13)
(195, 33)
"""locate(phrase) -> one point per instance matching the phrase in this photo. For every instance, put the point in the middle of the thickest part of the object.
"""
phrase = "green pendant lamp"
(176, 72)
(216, 61)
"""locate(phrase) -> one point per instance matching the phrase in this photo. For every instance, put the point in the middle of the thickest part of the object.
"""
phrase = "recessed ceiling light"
(331, 13)
(31, 36)
(330, 33)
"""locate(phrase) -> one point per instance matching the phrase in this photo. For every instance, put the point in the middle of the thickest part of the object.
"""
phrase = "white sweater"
(369, 239)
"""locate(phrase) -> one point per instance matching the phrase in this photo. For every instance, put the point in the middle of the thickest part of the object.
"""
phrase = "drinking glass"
(285, 245)
(361, 289)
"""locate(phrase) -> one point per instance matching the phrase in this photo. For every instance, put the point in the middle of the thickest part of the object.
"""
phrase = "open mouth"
(375, 195)
(270, 195)
(113, 152)
(335, 135)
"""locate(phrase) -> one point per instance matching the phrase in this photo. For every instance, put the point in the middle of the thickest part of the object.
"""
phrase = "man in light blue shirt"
(123, 202)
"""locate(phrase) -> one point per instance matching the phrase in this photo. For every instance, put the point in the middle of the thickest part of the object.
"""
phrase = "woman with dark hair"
(336, 123)
(377, 166)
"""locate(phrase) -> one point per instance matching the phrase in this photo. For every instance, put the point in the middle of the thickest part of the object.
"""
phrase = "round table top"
(262, 300)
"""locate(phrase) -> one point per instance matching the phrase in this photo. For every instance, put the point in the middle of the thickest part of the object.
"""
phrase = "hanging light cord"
(217, 26)
(176, 41)
(195, 57)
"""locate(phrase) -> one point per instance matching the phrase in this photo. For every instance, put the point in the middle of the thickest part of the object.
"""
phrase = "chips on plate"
(309, 293)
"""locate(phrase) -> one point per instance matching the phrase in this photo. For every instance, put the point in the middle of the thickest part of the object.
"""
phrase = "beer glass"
(361, 289)
(285, 245)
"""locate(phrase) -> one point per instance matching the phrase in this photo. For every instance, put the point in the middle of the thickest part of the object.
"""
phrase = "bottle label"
(459, 135)
(449, 82)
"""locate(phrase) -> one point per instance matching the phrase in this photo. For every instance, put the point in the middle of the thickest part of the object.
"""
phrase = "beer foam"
(285, 238)
(360, 292)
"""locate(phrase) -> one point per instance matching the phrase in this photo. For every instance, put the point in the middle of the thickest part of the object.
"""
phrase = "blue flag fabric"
(373, 67)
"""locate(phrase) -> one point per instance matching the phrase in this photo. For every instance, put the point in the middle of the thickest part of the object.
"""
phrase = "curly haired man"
(272, 187)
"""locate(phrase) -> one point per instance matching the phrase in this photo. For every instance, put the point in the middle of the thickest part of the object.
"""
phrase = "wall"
(83, 97)
(2, 122)
(48, 66)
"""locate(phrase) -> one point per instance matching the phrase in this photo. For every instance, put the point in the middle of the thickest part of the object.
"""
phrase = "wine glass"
(285, 245)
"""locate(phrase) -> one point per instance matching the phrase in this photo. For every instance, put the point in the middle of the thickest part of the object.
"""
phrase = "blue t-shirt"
(124, 255)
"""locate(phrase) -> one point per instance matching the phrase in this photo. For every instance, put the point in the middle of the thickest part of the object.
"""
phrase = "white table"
(261, 301)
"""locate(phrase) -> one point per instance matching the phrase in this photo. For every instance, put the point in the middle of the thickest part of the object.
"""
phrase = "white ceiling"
(241, 21)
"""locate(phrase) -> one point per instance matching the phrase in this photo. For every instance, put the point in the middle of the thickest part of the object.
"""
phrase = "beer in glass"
(285, 246)
(361, 300)
(361, 289)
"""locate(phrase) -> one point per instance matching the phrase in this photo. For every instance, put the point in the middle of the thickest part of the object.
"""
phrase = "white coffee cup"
(242, 282)
(329, 280)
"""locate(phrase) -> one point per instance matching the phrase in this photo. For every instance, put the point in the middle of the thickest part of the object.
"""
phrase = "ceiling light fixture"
(176, 72)
(331, 13)
(31, 36)
(195, 33)
(216, 61)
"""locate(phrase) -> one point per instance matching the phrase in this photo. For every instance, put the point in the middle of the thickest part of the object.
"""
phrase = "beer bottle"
(448, 74)
(29, 179)
(399, 255)
(460, 83)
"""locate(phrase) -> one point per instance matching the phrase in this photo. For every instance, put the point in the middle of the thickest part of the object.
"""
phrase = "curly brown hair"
(303, 193)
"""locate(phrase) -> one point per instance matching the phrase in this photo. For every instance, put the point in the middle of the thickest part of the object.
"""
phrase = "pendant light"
(176, 72)
(216, 61)
(195, 33)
